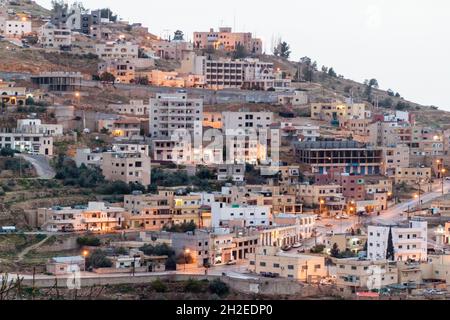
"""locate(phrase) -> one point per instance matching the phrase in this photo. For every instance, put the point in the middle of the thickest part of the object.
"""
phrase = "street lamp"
(85, 254)
(186, 252)
(443, 172)
(78, 96)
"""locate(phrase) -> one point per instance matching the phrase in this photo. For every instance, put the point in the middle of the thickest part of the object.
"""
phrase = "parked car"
(231, 263)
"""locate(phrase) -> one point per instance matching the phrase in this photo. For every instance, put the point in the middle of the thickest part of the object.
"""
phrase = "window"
(276, 265)
(290, 267)
(262, 264)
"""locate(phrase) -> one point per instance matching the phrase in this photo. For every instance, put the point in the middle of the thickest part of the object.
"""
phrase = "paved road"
(41, 163)
(392, 216)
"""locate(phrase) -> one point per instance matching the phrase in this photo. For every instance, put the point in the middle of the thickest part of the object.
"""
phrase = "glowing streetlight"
(186, 252)
(85, 254)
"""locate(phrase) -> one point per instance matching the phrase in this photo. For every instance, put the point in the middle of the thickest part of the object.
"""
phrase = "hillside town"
(130, 158)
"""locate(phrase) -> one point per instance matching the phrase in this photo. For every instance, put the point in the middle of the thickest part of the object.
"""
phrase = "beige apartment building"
(134, 108)
(413, 176)
(153, 212)
(172, 112)
(171, 50)
(340, 112)
(126, 128)
(117, 50)
(33, 143)
(123, 70)
(301, 267)
(225, 39)
(346, 242)
(395, 157)
(356, 275)
(212, 120)
(96, 217)
(127, 167)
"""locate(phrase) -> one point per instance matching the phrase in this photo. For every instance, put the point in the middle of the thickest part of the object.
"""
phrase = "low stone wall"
(62, 281)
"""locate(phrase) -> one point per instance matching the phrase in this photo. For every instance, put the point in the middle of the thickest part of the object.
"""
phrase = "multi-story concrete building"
(96, 216)
(243, 74)
(134, 108)
(88, 157)
(247, 135)
(395, 157)
(413, 176)
(225, 39)
(357, 275)
(171, 50)
(17, 28)
(410, 244)
(127, 167)
(10, 95)
(338, 112)
(122, 69)
(36, 126)
(59, 81)
(235, 172)
(296, 98)
(131, 146)
(352, 157)
(213, 120)
(296, 266)
(302, 132)
(126, 128)
(172, 112)
(153, 212)
(51, 36)
(246, 120)
(224, 215)
(27, 142)
(117, 50)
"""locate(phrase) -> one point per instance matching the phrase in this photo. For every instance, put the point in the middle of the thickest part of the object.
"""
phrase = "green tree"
(219, 287)
(240, 52)
(334, 252)
(332, 73)
(370, 85)
(282, 50)
(390, 247)
(106, 13)
(308, 68)
(7, 152)
(107, 77)
(88, 241)
(193, 286)
(159, 286)
(98, 259)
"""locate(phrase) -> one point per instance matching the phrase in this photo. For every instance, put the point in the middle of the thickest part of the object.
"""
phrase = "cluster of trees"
(89, 241)
(161, 250)
(335, 252)
(98, 259)
(85, 177)
(308, 69)
(216, 287)
(203, 180)
(370, 85)
(181, 228)
(7, 152)
(282, 49)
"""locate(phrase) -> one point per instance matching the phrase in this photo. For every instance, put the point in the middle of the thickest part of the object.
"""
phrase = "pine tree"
(390, 247)
(334, 252)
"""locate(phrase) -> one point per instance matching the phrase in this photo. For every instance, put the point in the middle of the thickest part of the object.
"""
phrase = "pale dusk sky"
(404, 44)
